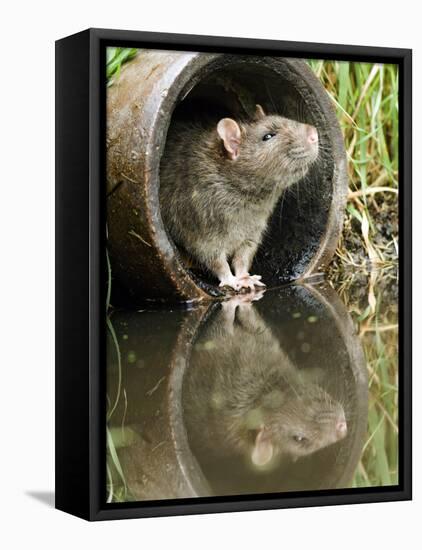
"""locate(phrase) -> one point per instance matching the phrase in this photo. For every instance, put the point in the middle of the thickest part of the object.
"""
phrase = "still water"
(287, 390)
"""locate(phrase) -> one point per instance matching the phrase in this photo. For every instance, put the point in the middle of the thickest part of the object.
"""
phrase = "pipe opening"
(299, 221)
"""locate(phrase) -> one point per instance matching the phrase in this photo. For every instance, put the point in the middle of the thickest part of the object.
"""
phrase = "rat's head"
(278, 149)
(295, 423)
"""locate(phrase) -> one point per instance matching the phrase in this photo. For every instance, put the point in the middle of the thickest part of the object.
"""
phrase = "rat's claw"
(258, 294)
(243, 299)
(247, 283)
(257, 280)
(252, 281)
(232, 282)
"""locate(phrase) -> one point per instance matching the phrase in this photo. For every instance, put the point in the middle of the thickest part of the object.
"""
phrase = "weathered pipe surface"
(159, 85)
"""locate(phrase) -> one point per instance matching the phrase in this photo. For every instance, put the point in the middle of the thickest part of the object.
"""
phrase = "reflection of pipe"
(139, 110)
(155, 457)
(186, 461)
(161, 465)
(331, 300)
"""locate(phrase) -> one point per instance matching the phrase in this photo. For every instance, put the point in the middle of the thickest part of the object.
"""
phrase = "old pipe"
(159, 85)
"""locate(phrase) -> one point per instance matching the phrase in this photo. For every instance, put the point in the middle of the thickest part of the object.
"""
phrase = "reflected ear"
(229, 131)
(259, 112)
(263, 449)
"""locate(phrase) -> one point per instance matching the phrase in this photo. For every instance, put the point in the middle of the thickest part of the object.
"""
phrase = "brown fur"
(243, 395)
(215, 206)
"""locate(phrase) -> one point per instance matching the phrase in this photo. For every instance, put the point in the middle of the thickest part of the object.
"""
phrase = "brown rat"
(243, 395)
(220, 184)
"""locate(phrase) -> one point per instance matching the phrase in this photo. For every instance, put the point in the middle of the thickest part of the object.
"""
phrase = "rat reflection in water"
(243, 396)
(263, 393)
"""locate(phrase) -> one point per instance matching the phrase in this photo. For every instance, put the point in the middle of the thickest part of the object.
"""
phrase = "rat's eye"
(268, 136)
(299, 438)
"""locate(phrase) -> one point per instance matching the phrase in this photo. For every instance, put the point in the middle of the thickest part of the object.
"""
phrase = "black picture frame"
(80, 263)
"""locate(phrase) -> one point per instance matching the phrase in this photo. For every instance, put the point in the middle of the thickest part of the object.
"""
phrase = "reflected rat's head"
(272, 146)
(297, 423)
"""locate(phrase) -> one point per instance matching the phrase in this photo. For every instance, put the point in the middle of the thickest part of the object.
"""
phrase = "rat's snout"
(311, 134)
(341, 428)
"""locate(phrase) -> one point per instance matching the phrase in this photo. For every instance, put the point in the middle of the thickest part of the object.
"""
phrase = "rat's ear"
(259, 112)
(263, 449)
(229, 131)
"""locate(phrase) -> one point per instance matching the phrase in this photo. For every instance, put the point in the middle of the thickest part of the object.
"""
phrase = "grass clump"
(377, 328)
(115, 58)
(365, 97)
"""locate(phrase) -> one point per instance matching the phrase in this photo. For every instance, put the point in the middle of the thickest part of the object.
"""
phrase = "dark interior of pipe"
(300, 218)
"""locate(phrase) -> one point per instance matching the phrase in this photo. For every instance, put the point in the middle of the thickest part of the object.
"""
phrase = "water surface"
(295, 389)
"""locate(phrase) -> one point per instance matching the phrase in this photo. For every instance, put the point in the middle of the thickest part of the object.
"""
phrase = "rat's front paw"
(251, 281)
(242, 299)
(244, 282)
(231, 282)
